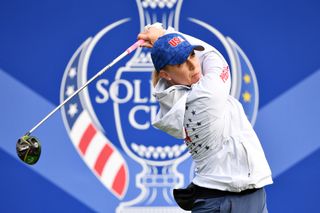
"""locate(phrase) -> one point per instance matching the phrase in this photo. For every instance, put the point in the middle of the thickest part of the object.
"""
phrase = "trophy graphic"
(134, 108)
(157, 152)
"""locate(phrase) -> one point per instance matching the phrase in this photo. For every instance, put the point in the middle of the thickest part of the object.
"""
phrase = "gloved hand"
(151, 34)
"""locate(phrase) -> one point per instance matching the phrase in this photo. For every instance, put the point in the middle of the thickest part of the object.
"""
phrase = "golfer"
(192, 84)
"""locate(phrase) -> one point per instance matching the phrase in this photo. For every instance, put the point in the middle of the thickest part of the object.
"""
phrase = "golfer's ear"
(164, 74)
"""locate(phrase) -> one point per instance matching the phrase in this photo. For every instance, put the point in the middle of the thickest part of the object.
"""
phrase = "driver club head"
(28, 149)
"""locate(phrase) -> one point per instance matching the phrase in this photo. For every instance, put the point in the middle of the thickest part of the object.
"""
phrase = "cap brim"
(198, 47)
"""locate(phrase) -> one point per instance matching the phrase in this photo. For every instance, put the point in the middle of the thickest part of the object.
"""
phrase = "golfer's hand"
(150, 35)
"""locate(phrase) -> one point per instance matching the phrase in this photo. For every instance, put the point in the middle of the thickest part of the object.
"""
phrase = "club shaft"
(125, 53)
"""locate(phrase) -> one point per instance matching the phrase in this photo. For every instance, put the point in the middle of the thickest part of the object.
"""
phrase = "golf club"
(28, 147)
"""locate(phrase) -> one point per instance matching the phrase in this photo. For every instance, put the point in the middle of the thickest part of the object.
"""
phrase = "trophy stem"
(156, 184)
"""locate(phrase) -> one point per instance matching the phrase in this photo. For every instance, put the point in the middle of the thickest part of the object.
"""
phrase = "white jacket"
(225, 148)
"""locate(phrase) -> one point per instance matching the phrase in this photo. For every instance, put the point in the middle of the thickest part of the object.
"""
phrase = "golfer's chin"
(195, 78)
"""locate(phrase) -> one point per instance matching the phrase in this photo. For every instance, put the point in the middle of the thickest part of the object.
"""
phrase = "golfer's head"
(174, 59)
(171, 49)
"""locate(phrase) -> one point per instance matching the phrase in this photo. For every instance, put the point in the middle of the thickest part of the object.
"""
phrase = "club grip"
(135, 46)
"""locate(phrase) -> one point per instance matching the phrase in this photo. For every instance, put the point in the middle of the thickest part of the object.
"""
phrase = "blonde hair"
(155, 77)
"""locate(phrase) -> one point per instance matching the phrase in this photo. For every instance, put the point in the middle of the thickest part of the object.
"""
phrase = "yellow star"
(246, 96)
(247, 78)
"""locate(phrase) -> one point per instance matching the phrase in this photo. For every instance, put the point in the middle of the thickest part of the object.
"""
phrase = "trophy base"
(155, 209)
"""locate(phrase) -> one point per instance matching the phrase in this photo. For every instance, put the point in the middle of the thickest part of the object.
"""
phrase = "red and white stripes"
(100, 155)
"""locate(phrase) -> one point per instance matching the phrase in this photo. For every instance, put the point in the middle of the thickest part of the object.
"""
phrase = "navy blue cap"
(171, 49)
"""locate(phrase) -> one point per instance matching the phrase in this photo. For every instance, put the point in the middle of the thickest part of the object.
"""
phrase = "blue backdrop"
(38, 39)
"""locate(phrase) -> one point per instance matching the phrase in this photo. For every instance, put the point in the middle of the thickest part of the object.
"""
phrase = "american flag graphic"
(99, 154)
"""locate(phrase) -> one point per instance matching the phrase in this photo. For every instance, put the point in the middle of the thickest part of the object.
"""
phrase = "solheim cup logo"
(129, 97)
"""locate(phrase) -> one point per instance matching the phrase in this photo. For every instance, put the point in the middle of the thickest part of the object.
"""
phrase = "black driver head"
(28, 149)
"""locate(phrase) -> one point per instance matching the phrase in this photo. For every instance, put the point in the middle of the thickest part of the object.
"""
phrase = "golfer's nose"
(191, 64)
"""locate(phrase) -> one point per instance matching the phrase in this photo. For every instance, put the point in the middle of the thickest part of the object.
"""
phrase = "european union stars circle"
(246, 95)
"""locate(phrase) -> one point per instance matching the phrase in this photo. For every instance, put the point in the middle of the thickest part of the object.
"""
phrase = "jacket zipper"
(247, 158)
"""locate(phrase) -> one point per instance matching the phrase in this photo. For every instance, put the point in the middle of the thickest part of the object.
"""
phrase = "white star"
(70, 90)
(72, 109)
(72, 72)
